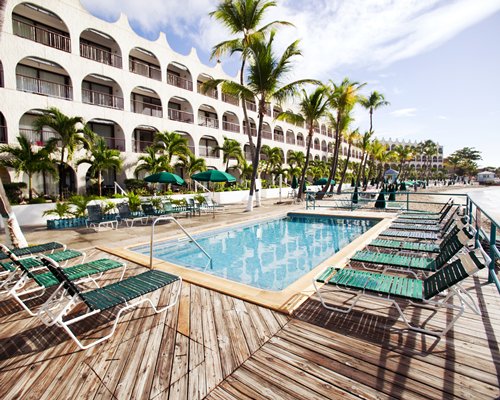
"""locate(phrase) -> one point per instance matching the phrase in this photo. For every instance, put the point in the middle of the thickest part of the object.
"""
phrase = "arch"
(1, 75)
(202, 78)
(101, 47)
(39, 138)
(207, 147)
(290, 137)
(145, 63)
(143, 137)
(207, 116)
(300, 139)
(3, 129)
(323, 129)
(180, 109)
(316, 157)
(253, 127)
(178, 75)
(146, 101)
(189, 138)
(276, 110)
(323, 158)
(40, 25)
(330, 132)
(110, 131)
(4, 175)
(102, 91)
(40, 76)
(230, 122)
(246, 150)
(278, 134)
(251, 105)
(69, 182)
(266, 131)
(324, 146)
(316, 144)
(434, 159)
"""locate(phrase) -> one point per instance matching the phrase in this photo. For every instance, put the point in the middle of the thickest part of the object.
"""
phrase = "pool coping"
(285, 300)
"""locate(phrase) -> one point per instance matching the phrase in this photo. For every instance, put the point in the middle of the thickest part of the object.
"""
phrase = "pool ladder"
(167, 218)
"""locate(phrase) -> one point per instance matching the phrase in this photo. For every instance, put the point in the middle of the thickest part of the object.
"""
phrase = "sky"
(436, 61)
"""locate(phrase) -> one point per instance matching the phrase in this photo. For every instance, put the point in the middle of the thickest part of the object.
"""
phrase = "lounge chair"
(126, 215)
(86, 272)
(127, 293)
(396, 261)
(389, 288)
(211, 206)
(437, 227)
(96, 218)
(423, 235)
(415, 214)
(193, 206)
(430, 221)
(31, 250)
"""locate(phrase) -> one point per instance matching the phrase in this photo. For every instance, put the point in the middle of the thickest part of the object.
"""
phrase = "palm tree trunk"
(99, 182)
(62, 175)
(339, 188)
(306, 164)
(335, 158)
(360, 169)
(245, 113)
(14, 235)
(255, 160)
(30, 187)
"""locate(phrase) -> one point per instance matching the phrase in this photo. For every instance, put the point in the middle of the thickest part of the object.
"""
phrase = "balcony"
(230, 127)
(3, 134)
(144, 69)
(251, 106)
(300, 142)
(208, 152)
(47, 88)
(290, 140)
(44, 36)
(209, 93)
(114, 143)
(143, 108)
(182, 83)
(279, 137)
(100, 55)
(182, 116)
(102, 99)
(38, 138)
(227, 98)
(139, 146)
(208, 122)
(267, 134)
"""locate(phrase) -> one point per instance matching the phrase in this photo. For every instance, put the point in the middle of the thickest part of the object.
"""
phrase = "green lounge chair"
(31, 250)
(127, 293)
(423, 235)
(125, 215)
(416, 226)
(96, 218)
(396, 261)
(455, 209)
(89, 271)
(388, 288)
(426, 214)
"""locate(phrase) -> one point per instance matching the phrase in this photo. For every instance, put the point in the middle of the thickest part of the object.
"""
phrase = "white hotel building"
(418, 161)
(53, 53)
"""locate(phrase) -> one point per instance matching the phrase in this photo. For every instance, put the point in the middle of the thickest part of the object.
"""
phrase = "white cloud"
(404, 112)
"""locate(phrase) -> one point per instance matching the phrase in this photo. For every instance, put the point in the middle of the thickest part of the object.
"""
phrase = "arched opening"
(179, 109)
(251, 106)
(300, 139)
(146, 101)
(290, 137)
(323, 129)
(246, 150)
(3, 129)
(279, 135)
(269, 111)
(316, 127)
(40, 25)
(36, 75)
(434, 159)
(330, 131)
(109, 177)
(202, 78)
(68, 176)
(99, 46)
(4, 175)
(330, 147)
(36, 137)
(207, 116)
(179, 75)
(266, 131)
(253, 127)
(102, 91)
(276, 110)
(323, 145)
(110, 131)
(323, 158)
(316, 144)
(316, 158)
(208, 147)
(145, 63)
(230, 122)
(189, 138)
(1, 75)
(143, 137)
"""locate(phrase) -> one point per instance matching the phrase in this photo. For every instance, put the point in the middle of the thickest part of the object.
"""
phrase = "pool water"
(268, 255)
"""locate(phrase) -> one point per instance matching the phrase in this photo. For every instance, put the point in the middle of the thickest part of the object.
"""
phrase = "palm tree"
(403, 154)
(272, 158)
(245, 169)
(373, 102)
(231, 149)
(152, 162)
(242, 17)
(429, 149)
(352, 138)
(23, 159)
(170, 144)
(364, 144)
(101, 158)
(265, 74)
(296, 159)
(312, 107)
(69, 140)
(342, 99)
(191, 165)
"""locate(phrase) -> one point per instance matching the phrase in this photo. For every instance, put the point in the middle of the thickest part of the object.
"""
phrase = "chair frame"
(96, 223)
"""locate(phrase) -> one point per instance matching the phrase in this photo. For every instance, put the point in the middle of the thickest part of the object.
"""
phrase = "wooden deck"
(215, 346)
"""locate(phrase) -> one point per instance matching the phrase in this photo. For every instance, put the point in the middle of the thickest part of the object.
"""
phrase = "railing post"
(493, 243)
(407, 201)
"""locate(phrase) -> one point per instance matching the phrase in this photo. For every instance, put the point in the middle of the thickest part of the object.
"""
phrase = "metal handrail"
(118, 187)
(168, 218)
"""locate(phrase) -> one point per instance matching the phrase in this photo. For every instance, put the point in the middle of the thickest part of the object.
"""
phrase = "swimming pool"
(268, 255)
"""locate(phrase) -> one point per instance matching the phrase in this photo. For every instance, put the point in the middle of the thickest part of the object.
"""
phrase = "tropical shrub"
(79, 205)
(135, 184)
(61, 210)
(134, 201)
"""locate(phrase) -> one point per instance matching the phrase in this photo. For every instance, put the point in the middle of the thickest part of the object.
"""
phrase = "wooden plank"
(247, 326)
(236, 334)
(228, 361)
(184, 309)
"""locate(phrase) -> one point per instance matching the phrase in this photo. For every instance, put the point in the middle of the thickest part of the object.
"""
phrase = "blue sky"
(436, 61)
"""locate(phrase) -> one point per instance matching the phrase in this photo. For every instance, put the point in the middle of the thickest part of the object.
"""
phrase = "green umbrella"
(213, 175)
(165, 177)
(355, 196)
(294, 184)
(323, 181)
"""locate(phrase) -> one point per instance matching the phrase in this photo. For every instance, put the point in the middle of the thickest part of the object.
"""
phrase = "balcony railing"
(209, 152)
(40, 86)
(208, 122)
(210, 93)
(139, 107)
(39, 138)
(290, 140)
(179, 82)
(230, 127)
(267, 135)
(102, 99)
(251, 106)
(114, 143)
(182, 116)
(253, 129)
(41, 35)
(144, 69)
(300, 142)
(100, 55)
(3, 134)
(316, 146)
(279, 138)
(140, 146)
(227, 98)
